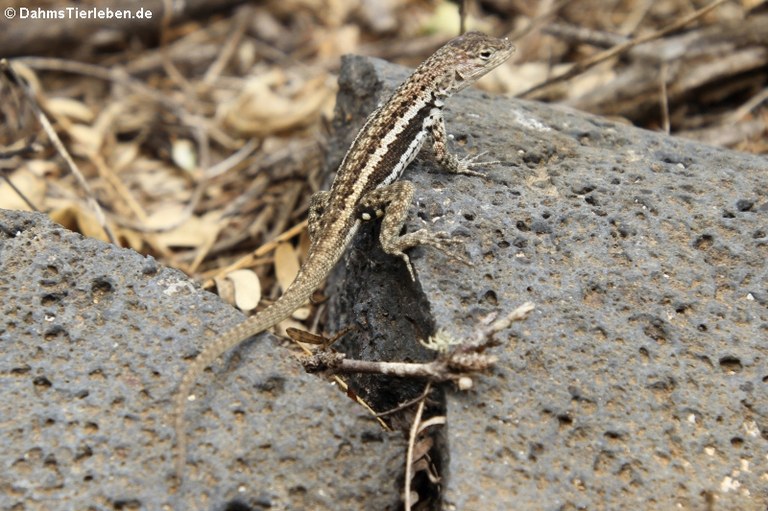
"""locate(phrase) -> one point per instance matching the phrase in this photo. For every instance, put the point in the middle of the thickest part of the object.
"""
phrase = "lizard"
(365, 187)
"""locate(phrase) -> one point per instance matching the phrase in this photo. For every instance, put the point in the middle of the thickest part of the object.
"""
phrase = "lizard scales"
(366, 182)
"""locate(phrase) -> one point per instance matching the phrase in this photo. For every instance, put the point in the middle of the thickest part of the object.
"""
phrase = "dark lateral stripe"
(364, 163)
(393, 160)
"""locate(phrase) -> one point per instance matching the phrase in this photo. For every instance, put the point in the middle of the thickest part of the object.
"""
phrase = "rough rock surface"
(640, 382)
(641, 379)
(93, 342)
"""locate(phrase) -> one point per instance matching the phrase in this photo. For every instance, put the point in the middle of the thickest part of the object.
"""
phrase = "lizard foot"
(442, 241)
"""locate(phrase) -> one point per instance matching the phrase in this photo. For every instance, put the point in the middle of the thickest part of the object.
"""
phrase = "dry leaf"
(123, 155)
(595, 78)
(183, 154)
(445, 20)
(260, 110)
(286, 264)
(247, 289)
(76, 218)
(70, 108)
(281, 327)
(328, 12)
(422, 447)
(31, 185)
(225, 288)
(86, 140)
(335, 42)
(27, 74)
(130, 238)
(194, 232)
(108, 119)
(157, 180)
(306, 337)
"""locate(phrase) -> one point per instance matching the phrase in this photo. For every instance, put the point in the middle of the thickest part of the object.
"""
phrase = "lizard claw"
(471, 161)
(444, 242)
(465, 164)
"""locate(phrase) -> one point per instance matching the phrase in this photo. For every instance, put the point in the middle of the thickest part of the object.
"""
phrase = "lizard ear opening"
(458, 76)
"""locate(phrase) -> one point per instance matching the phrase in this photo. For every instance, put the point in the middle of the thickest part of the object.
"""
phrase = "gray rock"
(641, 379)
(639, 382)
(93, 344)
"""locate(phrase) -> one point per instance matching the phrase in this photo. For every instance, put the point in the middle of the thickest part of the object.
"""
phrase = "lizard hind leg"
(317, 205)
(392, 202)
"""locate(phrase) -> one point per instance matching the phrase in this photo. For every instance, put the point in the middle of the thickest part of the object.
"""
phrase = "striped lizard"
(366, 186)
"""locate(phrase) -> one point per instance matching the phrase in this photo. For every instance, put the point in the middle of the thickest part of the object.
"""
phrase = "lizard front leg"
(447, 160)
(392, 202)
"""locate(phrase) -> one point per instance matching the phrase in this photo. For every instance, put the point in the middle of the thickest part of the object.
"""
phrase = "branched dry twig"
(456, 361)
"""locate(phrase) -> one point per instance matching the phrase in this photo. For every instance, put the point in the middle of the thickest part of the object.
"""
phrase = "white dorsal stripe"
(361, 184)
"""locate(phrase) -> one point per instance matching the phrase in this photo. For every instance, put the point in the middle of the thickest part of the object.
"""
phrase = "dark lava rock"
(641, 379)
(93, 343)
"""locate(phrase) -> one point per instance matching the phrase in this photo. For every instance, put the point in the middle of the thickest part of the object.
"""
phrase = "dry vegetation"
(198, 137)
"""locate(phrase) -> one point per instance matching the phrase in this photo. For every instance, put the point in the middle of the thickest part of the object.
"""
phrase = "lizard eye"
(486, 54)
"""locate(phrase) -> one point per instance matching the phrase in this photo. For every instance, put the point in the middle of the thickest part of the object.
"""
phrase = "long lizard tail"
(294, 297)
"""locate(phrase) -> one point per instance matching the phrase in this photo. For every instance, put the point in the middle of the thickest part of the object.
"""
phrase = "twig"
(241, 22)
(245, 261)
(56, 141)
(25, 149)
(744, 109)
(434, 421)
(343, 385)
(539, 20)
(727, 135)
(519, 314)
(457, 359)
(664, 97)
(400, 407)
(121, 76)
(620, 49)
(437, 370)
(115, 74)
(411, 444)
(167, 61)
(183, 216)
(197, 194)
(634, 17)
(575, 34)
(232, 160)
(19, 192)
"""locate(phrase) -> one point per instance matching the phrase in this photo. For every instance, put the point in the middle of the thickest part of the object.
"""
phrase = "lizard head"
(463, 60)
